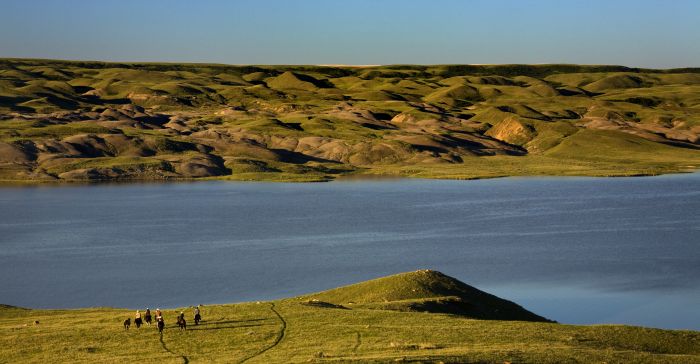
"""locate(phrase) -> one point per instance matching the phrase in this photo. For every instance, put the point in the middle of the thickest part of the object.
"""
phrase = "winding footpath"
(358, 342)
(162, 343)
(278, 339)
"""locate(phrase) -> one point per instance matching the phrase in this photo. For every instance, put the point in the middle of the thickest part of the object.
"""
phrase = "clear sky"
(640, 33)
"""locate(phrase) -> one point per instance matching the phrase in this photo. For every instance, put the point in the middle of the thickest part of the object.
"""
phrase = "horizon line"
(332, 65)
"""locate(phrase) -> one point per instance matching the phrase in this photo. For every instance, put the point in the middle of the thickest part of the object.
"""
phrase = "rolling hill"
(92, 121)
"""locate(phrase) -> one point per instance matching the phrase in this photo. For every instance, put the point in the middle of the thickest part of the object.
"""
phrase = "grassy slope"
(294, 331)
(586, 153)
(64, 121)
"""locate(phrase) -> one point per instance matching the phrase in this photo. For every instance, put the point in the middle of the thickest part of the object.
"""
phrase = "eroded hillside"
(101, 121)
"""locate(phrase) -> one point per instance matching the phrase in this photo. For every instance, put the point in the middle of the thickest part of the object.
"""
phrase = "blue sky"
(642, 33)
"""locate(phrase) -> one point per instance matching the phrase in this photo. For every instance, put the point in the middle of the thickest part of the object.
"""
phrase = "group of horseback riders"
(160, 322)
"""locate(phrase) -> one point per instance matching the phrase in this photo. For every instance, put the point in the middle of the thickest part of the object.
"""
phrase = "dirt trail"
(278, 339)
(162, 343)
(358, 341)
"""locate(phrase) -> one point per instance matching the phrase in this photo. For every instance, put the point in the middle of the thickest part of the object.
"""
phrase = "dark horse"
(161, 325)
(182, 323)
(197, 318)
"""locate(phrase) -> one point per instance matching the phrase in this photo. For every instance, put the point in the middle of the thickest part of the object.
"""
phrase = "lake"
(575, 250)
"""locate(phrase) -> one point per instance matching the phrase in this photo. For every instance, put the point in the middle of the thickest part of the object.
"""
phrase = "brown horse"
(182, 323)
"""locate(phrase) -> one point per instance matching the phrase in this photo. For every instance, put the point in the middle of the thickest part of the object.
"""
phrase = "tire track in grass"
(162, 343)
(278, 339)
(358, 341)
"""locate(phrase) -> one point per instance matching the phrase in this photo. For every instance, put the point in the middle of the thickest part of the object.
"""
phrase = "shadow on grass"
(205, 323)
(223, 327)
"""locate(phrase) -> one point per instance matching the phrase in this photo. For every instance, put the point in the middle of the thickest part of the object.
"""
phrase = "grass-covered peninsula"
(68, 121)
(419, 317)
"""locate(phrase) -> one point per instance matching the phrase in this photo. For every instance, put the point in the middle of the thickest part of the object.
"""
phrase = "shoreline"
(339, 178)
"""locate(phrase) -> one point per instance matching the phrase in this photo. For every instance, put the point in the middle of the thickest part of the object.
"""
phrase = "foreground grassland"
(67, 121)
(393, 319)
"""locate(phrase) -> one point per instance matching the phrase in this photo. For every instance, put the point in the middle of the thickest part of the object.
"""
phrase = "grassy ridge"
(64, 120)
(307, 329)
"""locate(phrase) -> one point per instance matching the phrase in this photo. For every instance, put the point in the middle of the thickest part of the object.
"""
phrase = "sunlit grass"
(294, 331)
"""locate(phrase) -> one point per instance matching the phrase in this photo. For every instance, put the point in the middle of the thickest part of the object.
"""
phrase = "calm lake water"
(575, 250)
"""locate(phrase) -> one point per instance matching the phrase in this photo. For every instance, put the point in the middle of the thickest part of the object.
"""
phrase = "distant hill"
(92, 121)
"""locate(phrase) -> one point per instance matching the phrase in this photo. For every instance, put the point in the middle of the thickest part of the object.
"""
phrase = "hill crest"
(424, 291)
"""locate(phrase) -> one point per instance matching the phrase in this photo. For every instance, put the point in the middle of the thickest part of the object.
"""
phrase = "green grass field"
(381, 321)
(92, 121)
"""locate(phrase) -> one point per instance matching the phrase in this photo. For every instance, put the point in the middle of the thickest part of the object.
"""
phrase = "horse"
(182, 323)
(127, 323)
